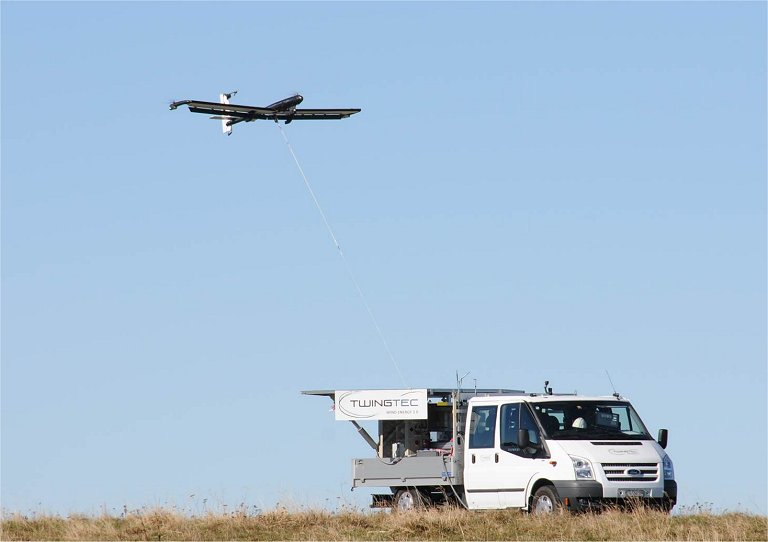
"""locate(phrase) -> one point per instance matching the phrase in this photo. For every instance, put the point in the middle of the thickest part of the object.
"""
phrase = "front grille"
(631, 472)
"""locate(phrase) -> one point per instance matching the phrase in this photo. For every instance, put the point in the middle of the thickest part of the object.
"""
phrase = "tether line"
(343, 257)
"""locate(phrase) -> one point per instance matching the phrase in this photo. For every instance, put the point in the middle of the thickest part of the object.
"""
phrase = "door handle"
(473, 458)
(497, 457)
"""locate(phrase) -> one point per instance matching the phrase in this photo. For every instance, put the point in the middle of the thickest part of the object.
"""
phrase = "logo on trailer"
(381, 405)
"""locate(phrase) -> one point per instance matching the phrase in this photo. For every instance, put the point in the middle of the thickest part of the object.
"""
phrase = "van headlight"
(669, 468)
(582, 468)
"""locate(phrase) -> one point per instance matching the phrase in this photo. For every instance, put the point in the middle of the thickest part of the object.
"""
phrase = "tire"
(408, 499)
(545, 501)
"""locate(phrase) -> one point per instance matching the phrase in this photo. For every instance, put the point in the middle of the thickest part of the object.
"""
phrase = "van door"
(480, 477)
(516, 465)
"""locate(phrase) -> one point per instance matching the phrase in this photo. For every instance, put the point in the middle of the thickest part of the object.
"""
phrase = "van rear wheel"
(545, 501)
(408, 499)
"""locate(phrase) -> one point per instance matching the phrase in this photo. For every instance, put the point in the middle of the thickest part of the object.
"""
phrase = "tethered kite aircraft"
(285, 110)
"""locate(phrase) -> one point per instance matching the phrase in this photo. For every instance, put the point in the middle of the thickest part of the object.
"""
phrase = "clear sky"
(531, 192)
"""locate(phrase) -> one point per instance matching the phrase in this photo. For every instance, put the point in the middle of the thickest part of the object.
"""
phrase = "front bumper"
(577, 496)
(670, 490)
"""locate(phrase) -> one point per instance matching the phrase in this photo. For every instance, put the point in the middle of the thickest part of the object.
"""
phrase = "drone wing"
(244, 112)
(231, 114)
(319, 114)
(248, 112)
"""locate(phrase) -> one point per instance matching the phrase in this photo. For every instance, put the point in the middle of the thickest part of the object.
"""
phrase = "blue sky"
(531, 192)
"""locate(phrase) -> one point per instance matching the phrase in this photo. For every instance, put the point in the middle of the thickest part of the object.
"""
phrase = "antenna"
(615, 393)
(460, 380)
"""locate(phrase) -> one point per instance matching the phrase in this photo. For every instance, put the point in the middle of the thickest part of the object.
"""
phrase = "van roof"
(541, 398)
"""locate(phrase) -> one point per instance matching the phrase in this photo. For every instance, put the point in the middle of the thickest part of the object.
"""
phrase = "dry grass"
(434, 524)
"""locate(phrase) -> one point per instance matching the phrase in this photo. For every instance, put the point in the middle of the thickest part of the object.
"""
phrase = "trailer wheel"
(408, 499)
(545, 501)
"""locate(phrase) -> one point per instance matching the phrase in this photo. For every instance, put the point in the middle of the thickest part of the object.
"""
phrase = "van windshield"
(583, 420)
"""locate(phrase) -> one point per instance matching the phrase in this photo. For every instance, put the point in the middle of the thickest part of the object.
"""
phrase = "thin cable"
(343, 257)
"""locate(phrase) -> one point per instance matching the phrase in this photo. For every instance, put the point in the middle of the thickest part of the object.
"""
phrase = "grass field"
(434, 524)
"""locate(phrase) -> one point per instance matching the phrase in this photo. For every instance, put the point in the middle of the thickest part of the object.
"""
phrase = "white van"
(501, 448)
(547, 451)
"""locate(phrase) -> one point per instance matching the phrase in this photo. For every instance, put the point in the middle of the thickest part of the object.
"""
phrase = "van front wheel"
(545, 501)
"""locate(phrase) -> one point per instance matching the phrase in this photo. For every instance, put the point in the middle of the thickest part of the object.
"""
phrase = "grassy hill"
(434, 524)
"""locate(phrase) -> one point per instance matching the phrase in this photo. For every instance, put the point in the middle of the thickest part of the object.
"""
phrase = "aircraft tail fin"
(224, 98)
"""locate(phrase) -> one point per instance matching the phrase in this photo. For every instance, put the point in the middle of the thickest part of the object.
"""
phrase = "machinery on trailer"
(503, 448)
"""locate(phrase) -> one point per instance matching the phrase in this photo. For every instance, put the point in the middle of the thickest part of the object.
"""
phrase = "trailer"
(505, 448)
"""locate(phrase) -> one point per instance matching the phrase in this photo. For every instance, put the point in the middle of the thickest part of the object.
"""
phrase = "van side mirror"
(522, 438)
(663, 435)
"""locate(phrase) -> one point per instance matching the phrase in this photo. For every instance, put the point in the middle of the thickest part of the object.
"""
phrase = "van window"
(527, 422)
(482, 427)
(587, 420)
(516, 416)
(510, 417)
